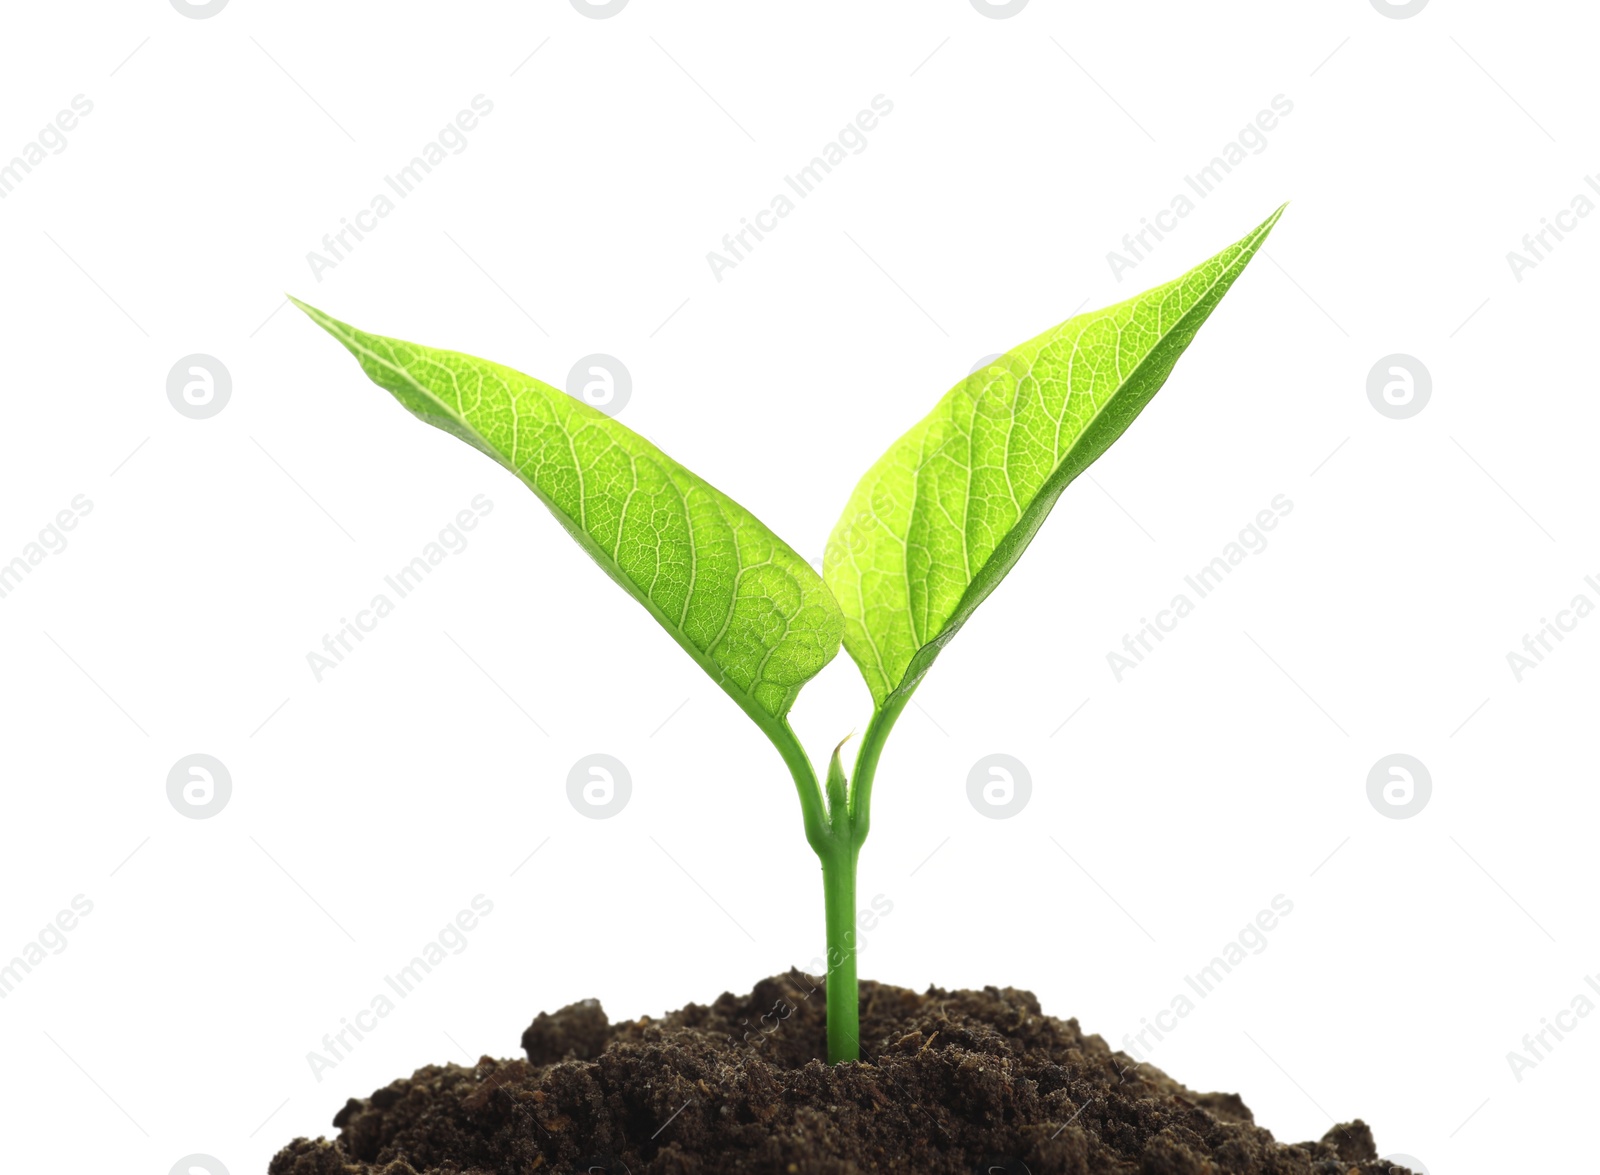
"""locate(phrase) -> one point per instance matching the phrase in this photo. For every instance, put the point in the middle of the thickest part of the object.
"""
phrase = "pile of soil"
(957, 1082)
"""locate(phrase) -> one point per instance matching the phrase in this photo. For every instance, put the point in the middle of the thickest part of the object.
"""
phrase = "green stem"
(812, 807)
(849, 824)
(844, 995)
(836, 826)
(883, 720)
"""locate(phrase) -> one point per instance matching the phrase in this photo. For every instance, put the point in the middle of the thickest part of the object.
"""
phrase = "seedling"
(929, 532)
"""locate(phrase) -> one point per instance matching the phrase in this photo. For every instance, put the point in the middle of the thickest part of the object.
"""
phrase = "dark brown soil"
(957, 1082)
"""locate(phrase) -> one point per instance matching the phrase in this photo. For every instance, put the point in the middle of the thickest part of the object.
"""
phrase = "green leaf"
(941, 518)
(838, 785)
(743, 604)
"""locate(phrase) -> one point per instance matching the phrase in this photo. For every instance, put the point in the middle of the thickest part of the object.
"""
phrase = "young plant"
(929, 532)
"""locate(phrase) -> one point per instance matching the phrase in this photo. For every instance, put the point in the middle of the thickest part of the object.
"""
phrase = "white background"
(370, 807)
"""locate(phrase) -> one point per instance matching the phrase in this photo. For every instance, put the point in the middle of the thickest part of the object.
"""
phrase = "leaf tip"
(1265, 226)
(323, 319)
(339, 330)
